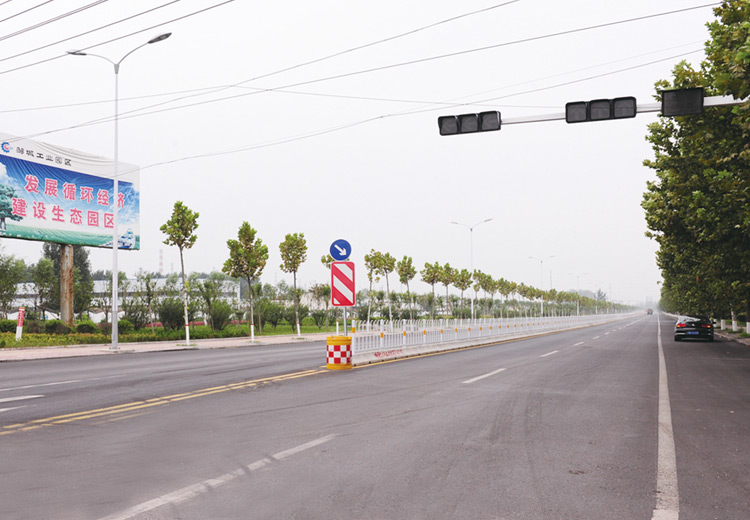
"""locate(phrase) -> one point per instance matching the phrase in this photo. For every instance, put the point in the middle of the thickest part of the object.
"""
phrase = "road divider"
(396, 340)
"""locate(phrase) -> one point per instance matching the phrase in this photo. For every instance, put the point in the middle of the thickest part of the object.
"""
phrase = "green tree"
(247, 259)
(372, 262)
(83, 282)
(462, 281)
(431, 275)
(386, 265)
(447, 277)
(293, 254)
(12, 271)
(180, 231)
(44, 280)
(406, 273)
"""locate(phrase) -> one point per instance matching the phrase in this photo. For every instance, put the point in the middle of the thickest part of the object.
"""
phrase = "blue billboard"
(60, 195)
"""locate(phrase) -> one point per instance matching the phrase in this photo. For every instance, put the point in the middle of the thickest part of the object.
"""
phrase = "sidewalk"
(732, 337)
(28, 353)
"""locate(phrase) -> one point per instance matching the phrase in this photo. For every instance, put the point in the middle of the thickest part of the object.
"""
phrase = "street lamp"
(115, 220)
(578, 284)
(541, 287)
(471, 246)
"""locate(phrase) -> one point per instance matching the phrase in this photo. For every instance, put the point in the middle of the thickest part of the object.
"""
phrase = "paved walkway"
(27, 353)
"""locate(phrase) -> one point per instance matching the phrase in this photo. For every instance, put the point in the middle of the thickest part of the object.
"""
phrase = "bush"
(56, 327)
(87, 327)
(220, 313)
(7, 325)
(105, 328)
(171, 314)
(125, 326)
(136, 313)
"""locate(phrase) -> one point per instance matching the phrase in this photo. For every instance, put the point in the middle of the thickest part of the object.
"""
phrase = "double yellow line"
(148, 403)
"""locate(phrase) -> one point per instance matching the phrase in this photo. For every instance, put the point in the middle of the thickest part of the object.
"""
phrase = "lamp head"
(160, 38)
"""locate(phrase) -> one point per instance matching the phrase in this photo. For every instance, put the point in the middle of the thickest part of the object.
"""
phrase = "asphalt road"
(563, 426)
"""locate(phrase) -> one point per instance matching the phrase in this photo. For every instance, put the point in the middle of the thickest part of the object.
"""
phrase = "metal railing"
(384, 335)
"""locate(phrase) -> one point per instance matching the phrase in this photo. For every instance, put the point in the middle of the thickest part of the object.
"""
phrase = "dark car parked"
(694, 327)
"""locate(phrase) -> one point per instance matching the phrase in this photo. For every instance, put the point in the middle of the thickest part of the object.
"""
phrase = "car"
(694, 327)
(649, 311)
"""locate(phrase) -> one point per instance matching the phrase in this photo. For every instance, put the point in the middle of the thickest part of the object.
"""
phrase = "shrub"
(220, 313)
(136, 313)
(171, 314)
(56, 327)
(7, 325)
(87, 327)
(125, 326)
(105, 327)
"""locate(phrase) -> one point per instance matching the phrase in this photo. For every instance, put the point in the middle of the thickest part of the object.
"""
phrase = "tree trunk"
(185, 300)
(252, 314)
(388, 290)
(296, 304)
(411, 302)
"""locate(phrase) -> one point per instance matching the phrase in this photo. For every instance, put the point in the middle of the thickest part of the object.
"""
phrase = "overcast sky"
(213, 119)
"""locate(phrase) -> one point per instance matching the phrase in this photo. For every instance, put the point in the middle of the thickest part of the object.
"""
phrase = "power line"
(85, 33)
(412, 62)
(346, 126)
(52, 20)
(201, 11)
(26, 11)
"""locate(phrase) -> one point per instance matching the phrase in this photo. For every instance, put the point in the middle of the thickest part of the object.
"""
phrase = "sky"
(321, 118)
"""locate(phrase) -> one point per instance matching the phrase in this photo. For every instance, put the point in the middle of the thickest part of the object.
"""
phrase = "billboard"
(62, 195)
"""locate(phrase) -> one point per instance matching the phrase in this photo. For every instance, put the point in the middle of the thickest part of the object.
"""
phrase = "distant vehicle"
(694, 327)
(649, 311)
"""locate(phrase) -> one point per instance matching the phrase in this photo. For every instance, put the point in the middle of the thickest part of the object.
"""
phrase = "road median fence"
(387, 340)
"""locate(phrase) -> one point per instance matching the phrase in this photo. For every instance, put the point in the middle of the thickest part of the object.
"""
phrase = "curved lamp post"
(541, 287)
(115, 231)
(471, 245)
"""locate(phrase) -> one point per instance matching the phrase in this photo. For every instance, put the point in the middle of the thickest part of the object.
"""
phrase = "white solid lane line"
(57, 383)
(19, 398)
(206, 486)
(9, 409)
(475, 379)
(579, 343)
(550, 353)
(667, 496)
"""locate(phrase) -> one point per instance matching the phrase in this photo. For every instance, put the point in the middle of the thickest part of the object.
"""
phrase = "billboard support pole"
(66, 284)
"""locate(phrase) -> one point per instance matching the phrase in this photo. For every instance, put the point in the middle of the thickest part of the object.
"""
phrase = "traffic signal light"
(469, 123)
(600, 109)
(682, 102)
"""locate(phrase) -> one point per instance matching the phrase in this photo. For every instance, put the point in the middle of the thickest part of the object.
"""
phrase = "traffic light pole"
(713, 101)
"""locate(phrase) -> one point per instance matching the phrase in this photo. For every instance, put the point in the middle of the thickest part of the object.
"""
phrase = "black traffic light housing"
(470, 123)
(600, 109)
(682, 102)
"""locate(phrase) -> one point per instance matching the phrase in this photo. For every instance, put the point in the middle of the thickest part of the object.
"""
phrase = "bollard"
(339, 353)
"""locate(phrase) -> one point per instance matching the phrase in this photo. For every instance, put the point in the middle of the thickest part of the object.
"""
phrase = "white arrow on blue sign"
(340, 250)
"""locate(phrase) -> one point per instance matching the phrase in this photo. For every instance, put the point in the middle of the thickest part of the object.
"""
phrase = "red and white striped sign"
(342, 284)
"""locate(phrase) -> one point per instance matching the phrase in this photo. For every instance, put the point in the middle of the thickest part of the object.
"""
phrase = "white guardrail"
(384, 340)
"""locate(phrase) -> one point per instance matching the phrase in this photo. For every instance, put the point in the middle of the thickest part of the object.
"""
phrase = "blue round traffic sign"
(340, 250)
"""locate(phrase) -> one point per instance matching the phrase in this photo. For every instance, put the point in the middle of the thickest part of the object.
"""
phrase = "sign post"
(19, 325)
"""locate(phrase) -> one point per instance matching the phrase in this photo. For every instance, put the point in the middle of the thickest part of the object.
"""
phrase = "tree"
(247, 259)
(462, 281)
(83, 282)
(293, 254)
(386, 265)
(44, 280)
(697, 210)
(7, 192)
(447, 276)
(327, 260)
(322, 293)
(180, 231)
(211, 290)
(431, 275)
(407, 272)
(12, 271)
(372, 262)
